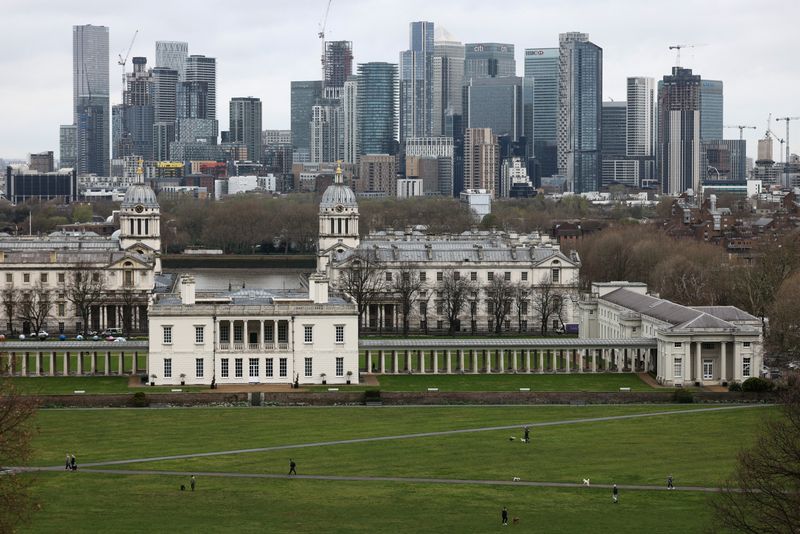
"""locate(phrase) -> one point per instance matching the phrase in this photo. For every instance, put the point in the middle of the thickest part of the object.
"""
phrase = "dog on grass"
(585, 481)
(515, 521)
(515, 479)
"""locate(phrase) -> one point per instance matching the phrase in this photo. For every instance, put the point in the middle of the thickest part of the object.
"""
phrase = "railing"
(253, 347)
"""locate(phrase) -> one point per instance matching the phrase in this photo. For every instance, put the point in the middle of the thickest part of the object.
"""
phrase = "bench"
(624, 389)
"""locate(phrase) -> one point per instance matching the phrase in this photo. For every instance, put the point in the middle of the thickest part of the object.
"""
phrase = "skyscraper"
(710, 110)
(245, 125)
(489, 60)
(204, 69)
(416, 83)
(448, 79)
(91, 98)
(641, 118)
(350, 119)
(172, 55)
(613, 146)
(723, 159)
(377, 101)
(67, 136)
(494, 103)
(304, 95)
(580, 95)
(134, 118)
(338, 64)
(679, 131)
(481, 159)
(541, 66)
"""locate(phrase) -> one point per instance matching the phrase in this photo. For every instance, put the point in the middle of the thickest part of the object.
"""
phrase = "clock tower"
(338, 221)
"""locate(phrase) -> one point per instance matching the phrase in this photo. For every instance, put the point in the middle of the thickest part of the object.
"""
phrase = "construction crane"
(124, 60)
(321, 34)
(678, 48)
(787, 119)
(741, 129)
(770, 134)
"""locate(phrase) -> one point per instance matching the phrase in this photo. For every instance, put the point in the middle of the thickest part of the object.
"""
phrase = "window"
(388, 276)
(439, 276)
(199, 338)
(708, 346)
(282, 369)
(253, 367)
(308, 368)
(339, 329)
(167, 367)
(555, 324)
(61, 278)
(439, 324)
(440, 308)
(678, 345)
(339, 366)
(490, 324)
(523, 307)
(473, 276)
(167, 335)
(43, 277)
(490, 276)
(745, 344)
(745, 367)
(405, 275)
(473, 307)
(237, 367)
(269, 368)
(238, 333)
(224, 332)
(423, 276)
(677, 367)
(283, 331)
(524, 276)
(60, 328)
(61, 309)
(26, 277)
(9, 278)
(507, 276)
(456, 275)
(127, 278)
(95, 277)
(490, 307)
(423, 309)
(556, 274)
(223, 367)
(524, 326)
(308, 333)
(198, 367)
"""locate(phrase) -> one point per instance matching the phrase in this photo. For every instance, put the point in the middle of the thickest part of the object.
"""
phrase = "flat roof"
(510, 342)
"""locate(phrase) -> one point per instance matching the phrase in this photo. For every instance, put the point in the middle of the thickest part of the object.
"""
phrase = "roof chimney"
(318, 288)
(429, 251)
(187, 289)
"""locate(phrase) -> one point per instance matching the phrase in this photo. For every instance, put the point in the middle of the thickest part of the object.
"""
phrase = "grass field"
(92, 385)
(697, 448)
(505, 382)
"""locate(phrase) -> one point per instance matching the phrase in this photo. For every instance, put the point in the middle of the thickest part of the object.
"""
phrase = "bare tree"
(783, 340)
(11, 302)
(35, 306)
(764, 494)
(363, 280)
(499, 297)
(522, 295)
(406, 285)
(86, 288)
(129, 297)
(16, 412)
(547, 300)
(455, 291)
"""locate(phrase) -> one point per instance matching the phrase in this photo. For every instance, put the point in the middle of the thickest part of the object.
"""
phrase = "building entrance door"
(708, 369)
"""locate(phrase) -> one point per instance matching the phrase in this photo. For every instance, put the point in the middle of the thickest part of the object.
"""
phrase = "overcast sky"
(261, 46)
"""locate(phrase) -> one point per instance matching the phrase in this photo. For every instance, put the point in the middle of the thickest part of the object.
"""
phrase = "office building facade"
(338, 63)
(91, 112)
(711, 110)
(489, 60)
(204, 70)
(304, 95)
(441, 150)
(448, 79)
(67, 137)
(416, 82)
(481, 160)
(678, 157)
(245, 125)
(580, 94)
(172, 55)
(541, 106)
(350, 119)
(494, 103)
(377, 108)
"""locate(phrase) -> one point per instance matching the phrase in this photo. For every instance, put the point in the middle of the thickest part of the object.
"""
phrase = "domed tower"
(338, 220)
(140, 220)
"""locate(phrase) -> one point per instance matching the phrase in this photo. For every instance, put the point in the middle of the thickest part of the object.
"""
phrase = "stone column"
(368, 355)
(723, 364)
(687, 361)
(474, 361)
(66, 363)
(121, 362)
(449, 364)
(395, 363)
(541, 361)
(502, 362)
(699, 362)
(527, 360)
(594, 360)
(383, 362)
(568, 360)
(108, 363)
(135, 364)
(460, 360)
(24, 371)
(93, 356)
(53, 363)
(245, 336)
(421, 354)
(737, 362)
(516, 354)
(80, 363)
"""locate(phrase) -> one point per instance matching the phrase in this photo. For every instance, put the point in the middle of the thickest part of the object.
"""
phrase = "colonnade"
(507, 360)
(63, 362)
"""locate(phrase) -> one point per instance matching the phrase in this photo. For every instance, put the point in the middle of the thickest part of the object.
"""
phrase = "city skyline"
(253, 60)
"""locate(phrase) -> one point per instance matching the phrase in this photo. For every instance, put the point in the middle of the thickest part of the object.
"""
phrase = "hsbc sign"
(534, 52)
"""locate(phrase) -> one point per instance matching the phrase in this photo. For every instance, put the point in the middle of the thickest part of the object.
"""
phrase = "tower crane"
(770, 134)
(787, 119)
(321, 34)
(124, 60)
(678, 48)
(741, 129)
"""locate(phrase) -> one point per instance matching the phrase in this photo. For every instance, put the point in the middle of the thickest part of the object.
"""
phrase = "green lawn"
(86, 502)
(505, 382)
(697, 448)
(92, 385)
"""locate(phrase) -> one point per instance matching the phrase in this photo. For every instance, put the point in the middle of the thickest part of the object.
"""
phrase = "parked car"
(120, 339)
(42, 335)
(112, 332)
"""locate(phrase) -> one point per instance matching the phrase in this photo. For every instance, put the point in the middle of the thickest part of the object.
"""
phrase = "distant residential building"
(204, 70)
(489, 60)
(679, 131)
(580, 91)
(416, 82)
(541, 106)
(68, 139)
(614, 139)
(377, 173)
(711, 110)
(304, 95)
(245, 125)
(409, 187)
(350, 120)
(42, 162)
(91, 113)
(338, 63)
(481, 159)
(377, 105)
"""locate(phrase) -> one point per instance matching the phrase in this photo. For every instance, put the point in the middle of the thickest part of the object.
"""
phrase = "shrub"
(757, 384)
(372, 395)
(735, 386)
(683, 396)
(140, 400)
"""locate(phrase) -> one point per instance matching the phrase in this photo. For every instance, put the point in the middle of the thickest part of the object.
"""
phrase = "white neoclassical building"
(479, 256)
(128, 262)
(696, 345)
(253, 336)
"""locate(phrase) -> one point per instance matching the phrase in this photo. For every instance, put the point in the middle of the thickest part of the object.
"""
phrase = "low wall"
(304, 398)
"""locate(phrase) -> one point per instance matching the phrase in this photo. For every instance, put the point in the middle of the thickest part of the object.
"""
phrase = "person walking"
(527, 434)
(192, 482)
(615, 494)
(504, 516)
(73, 465)
(67, 466)
(292, 466)
(670, 486)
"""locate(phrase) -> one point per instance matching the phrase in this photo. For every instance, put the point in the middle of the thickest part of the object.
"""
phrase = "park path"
(414, 436)
(402, 480)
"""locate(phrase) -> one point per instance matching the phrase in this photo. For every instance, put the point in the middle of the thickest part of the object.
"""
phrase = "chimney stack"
(187, 289)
